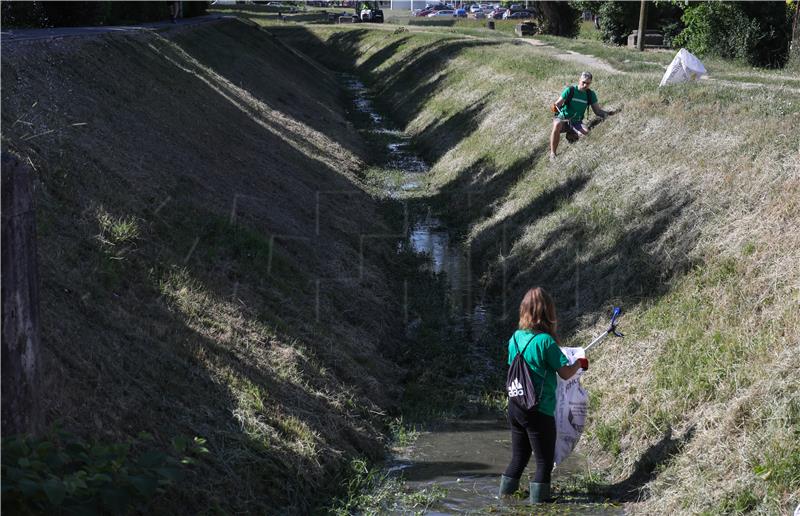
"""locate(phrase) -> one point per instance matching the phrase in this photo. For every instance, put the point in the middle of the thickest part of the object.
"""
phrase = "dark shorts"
(570, 126)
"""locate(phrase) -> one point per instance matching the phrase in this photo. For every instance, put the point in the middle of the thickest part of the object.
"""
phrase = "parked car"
(442, 13)
(479, 15)
(496, 14)
(474, 8)
(516, 7)
(524, 15)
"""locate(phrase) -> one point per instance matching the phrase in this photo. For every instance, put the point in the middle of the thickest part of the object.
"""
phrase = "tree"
(558, 18)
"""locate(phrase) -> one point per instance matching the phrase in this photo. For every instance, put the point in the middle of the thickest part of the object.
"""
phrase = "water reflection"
(428, 235)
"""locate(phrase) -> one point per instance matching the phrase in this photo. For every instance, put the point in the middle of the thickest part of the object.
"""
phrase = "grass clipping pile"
(194, 280)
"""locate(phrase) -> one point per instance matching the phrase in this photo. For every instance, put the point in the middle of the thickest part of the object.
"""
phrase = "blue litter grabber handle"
(613, 326)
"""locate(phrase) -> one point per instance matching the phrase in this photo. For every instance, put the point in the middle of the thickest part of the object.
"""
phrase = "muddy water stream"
(462, 457)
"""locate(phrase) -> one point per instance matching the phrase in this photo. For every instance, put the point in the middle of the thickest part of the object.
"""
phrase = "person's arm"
(599, 112)
(568, 371)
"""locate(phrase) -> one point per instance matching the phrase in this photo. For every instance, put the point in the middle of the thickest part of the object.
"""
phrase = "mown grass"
(195, 280)
(660, 209)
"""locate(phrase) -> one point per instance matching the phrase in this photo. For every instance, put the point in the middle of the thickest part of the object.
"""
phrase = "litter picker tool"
(612, 328)
(572, 400)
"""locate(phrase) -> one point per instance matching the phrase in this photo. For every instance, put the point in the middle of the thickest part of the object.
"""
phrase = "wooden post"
(642, 25)
(20, 302)
(794, 44)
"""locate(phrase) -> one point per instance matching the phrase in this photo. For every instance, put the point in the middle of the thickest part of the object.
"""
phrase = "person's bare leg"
(555, 136)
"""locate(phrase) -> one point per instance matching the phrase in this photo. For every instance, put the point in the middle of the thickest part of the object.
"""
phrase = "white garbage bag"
(572, 405)
(683, 68)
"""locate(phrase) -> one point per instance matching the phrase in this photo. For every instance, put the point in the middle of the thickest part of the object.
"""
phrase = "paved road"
(8, 36)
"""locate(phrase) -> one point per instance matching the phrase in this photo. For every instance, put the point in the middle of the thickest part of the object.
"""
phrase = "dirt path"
(14, 35)
(596, 63)
(575, 57)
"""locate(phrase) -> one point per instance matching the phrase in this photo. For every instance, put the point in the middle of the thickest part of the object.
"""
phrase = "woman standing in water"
(535, 430)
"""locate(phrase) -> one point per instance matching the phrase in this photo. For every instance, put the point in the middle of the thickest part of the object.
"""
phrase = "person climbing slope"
(534, 429)
(569, 110)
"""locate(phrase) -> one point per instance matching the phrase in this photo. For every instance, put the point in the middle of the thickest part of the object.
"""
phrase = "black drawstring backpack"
(519, 383)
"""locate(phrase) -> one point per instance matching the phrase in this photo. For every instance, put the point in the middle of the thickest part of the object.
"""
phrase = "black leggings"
(531, 432)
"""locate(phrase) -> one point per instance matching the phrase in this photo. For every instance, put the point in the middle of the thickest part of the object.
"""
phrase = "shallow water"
(427, 235)
(466, 458)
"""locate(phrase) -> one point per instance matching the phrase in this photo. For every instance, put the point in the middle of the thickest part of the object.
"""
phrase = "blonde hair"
(537, 312)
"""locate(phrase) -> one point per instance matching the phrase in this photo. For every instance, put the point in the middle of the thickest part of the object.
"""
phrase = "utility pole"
(642, 25)
(794, 45)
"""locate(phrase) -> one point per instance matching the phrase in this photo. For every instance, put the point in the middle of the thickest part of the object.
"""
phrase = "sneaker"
(552, 156)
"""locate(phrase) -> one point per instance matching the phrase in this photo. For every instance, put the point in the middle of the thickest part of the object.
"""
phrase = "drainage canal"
(462, 458)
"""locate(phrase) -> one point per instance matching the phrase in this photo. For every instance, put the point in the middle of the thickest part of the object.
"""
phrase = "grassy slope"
(164, 166)
(683, 208)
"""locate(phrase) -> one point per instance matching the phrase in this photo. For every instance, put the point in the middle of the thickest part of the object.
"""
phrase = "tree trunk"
(559, 17)
(642, 26)
(20, 302)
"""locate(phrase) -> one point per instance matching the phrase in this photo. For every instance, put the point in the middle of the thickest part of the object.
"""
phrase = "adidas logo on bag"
(516, 389)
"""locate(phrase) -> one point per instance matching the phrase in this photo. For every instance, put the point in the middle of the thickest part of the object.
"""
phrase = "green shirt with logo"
(544, 357)
(576, 107)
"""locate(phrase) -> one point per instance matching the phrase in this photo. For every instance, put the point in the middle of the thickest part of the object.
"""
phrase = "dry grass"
(683, 208)
(194, 279)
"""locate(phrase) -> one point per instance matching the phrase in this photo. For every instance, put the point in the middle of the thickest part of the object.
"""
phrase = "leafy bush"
(671, 31)
(617, 20)
(756, 32)
(62, 472)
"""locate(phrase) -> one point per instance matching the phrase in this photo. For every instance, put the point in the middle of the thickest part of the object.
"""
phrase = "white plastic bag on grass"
(572, 405)
(683, 68)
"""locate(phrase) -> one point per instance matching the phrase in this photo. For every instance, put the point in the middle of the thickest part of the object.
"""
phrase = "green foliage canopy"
(755, 32)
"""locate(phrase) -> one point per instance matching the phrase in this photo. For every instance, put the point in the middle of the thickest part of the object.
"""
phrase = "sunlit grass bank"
(682, 208)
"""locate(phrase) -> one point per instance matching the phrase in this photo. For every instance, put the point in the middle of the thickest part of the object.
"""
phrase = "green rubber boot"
(508, 485)
(540, 493)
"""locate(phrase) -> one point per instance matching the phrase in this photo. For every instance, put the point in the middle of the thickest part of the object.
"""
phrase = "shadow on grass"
(126, 357)
(382, 55)
(426, 64)
(253, 70)
(632, 489)
(588, 266)
(440, 137)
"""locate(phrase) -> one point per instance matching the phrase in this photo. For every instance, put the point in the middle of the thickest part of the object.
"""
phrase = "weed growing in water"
(403, 434)
(372, 491)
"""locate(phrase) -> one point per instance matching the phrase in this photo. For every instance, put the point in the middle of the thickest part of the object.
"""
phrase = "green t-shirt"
(544, 357)
(576, 108)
